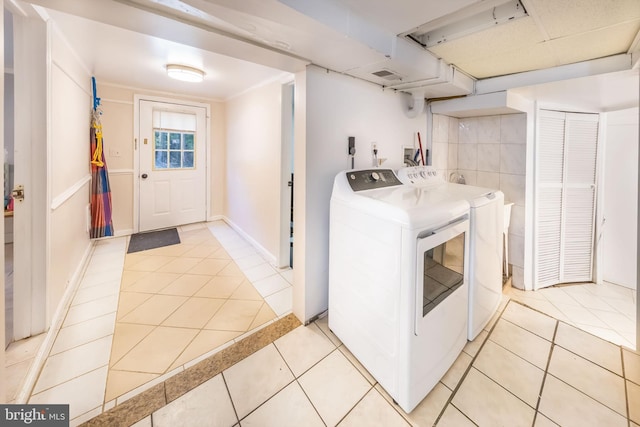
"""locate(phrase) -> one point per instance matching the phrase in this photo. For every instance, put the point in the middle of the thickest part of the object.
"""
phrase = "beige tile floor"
(137, 319)
(524, 369)
(606, 310)
(88, 331)
(177, 303)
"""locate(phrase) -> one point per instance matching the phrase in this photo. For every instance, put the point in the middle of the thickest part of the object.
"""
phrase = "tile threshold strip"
(138, 407)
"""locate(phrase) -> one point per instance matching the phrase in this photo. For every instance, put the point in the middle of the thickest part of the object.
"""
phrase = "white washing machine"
(485, 240)
(398, 291)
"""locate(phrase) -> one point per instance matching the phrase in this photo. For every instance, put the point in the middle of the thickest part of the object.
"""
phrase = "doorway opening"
(287, 178)
(8, 177)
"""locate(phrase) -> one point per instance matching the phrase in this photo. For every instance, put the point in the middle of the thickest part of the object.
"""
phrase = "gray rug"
(153, 239)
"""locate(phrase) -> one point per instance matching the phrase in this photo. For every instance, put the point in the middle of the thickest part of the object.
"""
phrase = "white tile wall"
(468, 156)
(489, 130)
(488, 179)
(440, 129)
(513, 129)
(440, 157)
(489, 151)
(513, 158)
(513, 187)
(489, 157)
(468, 131)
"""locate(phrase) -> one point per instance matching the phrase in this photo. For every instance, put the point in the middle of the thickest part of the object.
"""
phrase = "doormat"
(153, 239)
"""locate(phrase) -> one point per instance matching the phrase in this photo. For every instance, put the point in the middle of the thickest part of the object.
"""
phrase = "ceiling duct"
(402, 65)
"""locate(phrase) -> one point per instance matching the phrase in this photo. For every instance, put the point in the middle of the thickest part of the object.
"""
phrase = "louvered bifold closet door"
(581, 137)
(566, 153)
(549, 176)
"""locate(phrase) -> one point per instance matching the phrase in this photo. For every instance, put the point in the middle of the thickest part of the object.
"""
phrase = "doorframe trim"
(286, 158)
(136, 153)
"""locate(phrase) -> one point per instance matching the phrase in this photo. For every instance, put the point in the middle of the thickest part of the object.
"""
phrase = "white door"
(172, 165)
(619, 235)
(566, 160)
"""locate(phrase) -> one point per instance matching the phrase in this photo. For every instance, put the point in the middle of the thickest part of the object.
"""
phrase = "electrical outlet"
(114, 152)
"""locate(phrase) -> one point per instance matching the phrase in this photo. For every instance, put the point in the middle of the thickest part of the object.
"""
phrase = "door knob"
(144, 176)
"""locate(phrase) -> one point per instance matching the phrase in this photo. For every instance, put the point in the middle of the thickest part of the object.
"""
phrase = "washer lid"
(408, 205)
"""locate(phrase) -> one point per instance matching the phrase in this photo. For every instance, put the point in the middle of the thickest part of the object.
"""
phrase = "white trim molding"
(63, 197)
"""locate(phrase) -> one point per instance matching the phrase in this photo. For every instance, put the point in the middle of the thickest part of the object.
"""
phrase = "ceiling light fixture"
(185, 73)
(463, 23)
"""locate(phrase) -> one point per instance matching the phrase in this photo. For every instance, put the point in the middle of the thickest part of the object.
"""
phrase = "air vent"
(387, 75)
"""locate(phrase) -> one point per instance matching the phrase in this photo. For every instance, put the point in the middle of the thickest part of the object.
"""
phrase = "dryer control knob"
(375, 176)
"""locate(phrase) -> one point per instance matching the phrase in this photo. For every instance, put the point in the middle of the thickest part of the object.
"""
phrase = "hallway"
(139, 318)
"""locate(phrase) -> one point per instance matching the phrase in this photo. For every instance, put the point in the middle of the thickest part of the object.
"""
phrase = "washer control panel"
(370, 179)
(420, 176)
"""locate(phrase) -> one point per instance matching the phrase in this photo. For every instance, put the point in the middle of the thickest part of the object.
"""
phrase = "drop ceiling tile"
(533, 57)
(595, 44)
(563, 18)
(501, 38)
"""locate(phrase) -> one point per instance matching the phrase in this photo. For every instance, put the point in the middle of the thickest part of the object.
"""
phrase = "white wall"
(489, 151)
(620, 198)
(337, 107)
(253, 157)
(68, 168)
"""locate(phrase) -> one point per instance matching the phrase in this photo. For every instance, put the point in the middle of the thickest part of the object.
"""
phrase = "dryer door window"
(440, 265)
(443, 272)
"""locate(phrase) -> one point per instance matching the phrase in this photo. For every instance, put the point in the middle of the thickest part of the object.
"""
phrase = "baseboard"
(263, 251)
(56, 324)
(215, 218)
(122, 233)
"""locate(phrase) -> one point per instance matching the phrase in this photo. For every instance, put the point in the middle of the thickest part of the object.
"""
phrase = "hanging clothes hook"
(96, 100)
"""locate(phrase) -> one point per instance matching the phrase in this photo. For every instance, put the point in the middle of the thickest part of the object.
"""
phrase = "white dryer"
(485, 239)
(398, 291)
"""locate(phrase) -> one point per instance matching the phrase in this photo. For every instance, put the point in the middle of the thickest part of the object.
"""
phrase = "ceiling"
(241, 44)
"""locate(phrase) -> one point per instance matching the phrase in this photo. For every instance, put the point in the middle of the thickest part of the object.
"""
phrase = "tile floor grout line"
(233, 405)
(372, 387)
(131, 349)
(66, 381)
(546, 370)
(118, 407)
(473, 359)
(626, 389)
(296, 378)
(310, 401)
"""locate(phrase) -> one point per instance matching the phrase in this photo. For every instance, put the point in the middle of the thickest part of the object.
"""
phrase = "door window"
(173, 149)
(443, 272)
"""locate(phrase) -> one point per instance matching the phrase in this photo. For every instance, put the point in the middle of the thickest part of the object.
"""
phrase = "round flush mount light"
(185, 73)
